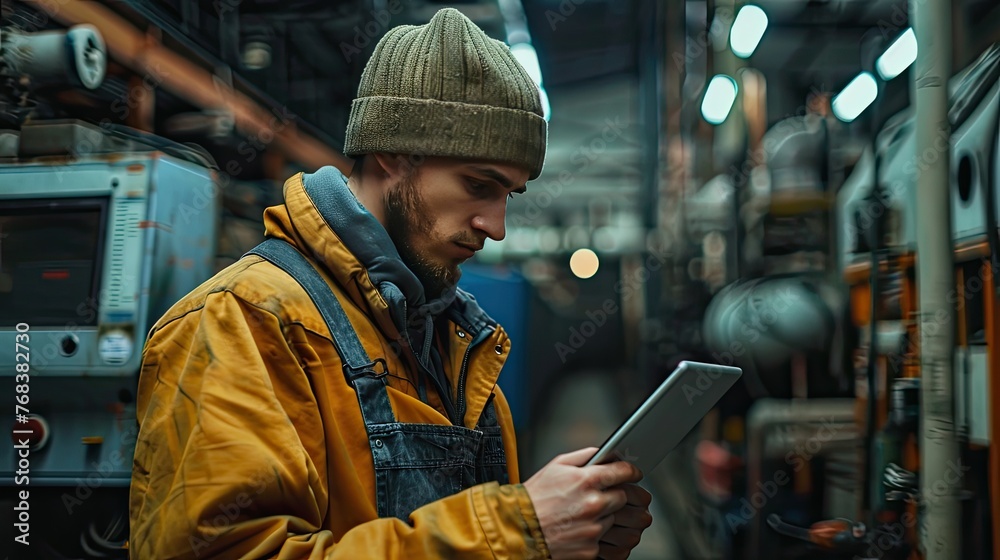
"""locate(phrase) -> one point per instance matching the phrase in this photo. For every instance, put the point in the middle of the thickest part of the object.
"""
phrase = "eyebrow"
(498, 177)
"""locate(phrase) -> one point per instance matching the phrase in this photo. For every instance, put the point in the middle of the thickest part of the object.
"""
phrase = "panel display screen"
(51, 253)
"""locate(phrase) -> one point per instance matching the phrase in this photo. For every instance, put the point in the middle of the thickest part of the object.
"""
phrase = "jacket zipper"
(445, 396)
(483, 335)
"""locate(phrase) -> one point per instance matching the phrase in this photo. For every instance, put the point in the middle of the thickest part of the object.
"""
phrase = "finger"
(607, 523)
(576, 458)
(637, 495)
(613, 474)
(614, 500)
(633, 517)
(621, 538)
(611, 552)
(608, 551)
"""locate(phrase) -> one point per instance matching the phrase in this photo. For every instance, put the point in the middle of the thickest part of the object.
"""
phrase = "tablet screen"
(662, 421)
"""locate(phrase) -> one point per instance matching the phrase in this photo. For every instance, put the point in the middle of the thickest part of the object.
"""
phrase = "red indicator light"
(55, 275)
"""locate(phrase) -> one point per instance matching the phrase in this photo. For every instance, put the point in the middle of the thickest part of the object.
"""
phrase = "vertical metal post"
(940, 475)
(229, 32)
(650, 51)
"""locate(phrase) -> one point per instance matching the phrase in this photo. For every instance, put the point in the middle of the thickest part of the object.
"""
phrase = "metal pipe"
(993, 353)
(870, 479)
(939, 532)
(769, 413)
(132, 48)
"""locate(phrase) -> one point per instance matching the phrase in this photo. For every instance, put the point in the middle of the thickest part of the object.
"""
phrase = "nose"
(491, 221)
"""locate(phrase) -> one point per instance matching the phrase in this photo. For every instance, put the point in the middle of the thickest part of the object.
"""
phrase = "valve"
(848, 537)
(834, 534)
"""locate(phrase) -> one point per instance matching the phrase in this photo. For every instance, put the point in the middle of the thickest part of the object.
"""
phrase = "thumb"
(576, 458)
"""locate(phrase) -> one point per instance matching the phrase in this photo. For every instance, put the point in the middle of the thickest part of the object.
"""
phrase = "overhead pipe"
(940, 531)
(193, 83)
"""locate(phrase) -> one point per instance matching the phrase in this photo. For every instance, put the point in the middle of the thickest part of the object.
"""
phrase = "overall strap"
(366, 376)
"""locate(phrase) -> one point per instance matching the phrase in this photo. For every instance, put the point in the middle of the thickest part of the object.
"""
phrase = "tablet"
(660, 423)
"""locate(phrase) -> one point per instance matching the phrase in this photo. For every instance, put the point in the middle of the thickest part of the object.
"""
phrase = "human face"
(441, 212)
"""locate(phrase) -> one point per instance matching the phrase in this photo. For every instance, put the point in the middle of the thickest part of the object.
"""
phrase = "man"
(332, 394)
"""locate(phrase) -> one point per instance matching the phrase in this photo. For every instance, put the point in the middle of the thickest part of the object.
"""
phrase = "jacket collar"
(321, 203)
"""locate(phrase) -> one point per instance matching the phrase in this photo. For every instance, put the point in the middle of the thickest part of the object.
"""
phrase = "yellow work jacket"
(251, 441)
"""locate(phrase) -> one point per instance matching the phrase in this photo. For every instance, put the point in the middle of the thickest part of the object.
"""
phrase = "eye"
(478, 189)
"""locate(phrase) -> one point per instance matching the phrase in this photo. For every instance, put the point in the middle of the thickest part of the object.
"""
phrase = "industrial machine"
(799, 267)
(99, 235)
(829, 463)
(102, 228)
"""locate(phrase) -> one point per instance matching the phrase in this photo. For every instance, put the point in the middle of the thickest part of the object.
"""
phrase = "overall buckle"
(367, 370)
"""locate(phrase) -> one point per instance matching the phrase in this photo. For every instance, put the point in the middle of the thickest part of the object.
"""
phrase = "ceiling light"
(719, 98)
(856, 97)
(748, 28)
(528, 58)
(546, 108)
(900, 55)
(256, 55)
(584, 263)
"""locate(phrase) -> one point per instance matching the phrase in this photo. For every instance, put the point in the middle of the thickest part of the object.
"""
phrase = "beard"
(408, 219)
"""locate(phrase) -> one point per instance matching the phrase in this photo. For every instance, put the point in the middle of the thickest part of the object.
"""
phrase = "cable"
(898, 478)
(188, 151)
(104, 542)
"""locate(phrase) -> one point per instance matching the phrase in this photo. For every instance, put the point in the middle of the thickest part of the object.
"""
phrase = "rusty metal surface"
(139, 52)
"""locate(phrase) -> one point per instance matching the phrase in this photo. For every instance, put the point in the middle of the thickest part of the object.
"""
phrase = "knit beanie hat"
(447, 89)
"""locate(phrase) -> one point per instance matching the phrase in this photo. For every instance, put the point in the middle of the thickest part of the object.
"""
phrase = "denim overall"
(415, 464)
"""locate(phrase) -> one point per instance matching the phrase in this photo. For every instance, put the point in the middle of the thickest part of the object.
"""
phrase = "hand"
(629, 523)
(576, 506)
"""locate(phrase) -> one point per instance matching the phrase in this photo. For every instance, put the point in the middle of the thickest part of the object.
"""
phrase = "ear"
(392, 166)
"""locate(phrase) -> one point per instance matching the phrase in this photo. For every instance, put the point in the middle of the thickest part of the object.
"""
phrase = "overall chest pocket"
(416, 464)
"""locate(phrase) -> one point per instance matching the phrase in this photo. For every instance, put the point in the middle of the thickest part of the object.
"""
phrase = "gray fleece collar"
(365, 237)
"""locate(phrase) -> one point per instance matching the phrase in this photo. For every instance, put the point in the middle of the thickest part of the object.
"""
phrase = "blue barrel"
(503, 294)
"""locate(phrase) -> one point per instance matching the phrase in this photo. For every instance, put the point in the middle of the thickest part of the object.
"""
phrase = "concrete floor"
(583, 413)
